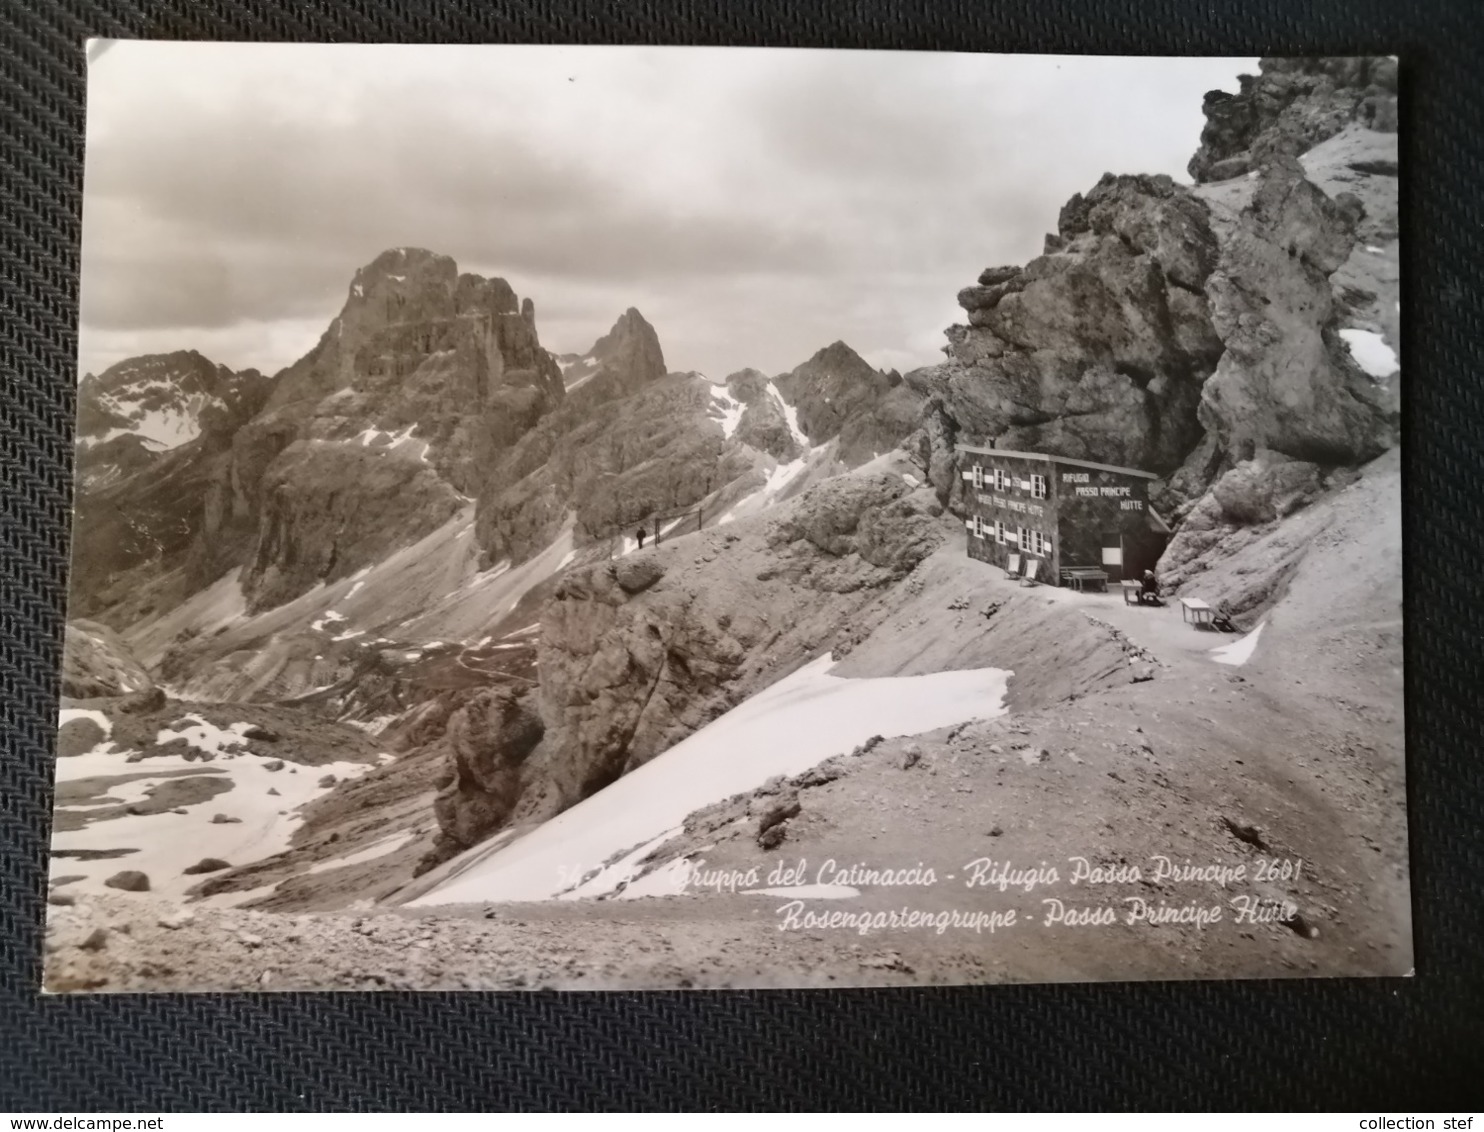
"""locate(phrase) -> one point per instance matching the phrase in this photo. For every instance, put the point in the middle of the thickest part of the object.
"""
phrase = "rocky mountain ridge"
(1290, 106)
(142, 407)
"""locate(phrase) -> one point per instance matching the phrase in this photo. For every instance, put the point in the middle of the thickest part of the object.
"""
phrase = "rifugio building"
(1066, 514)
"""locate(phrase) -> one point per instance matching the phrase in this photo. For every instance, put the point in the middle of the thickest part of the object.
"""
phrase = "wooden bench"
(1197, 612)
(1079, 577)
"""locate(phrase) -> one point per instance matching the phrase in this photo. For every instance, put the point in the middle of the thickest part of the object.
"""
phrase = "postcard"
(625, 518)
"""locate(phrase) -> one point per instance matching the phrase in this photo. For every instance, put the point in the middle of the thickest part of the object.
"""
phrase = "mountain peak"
(401, 265)
(839, 356)
(633, 338)
(629, 356)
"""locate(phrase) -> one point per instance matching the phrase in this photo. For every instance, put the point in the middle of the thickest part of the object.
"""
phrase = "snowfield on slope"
(789, 727)
(163, 844)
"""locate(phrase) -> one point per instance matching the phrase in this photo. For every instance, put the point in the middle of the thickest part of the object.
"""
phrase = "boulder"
(207, 865)
(991, 276)
(778, 811)
(1270, 486)
(130, 880)
(144, 702)
(78, 736)
(636, 573)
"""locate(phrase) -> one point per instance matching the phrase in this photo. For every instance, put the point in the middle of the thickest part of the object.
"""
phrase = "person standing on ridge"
(639, 534)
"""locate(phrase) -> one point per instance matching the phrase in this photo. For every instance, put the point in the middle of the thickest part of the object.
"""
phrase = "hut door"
(1113, 556)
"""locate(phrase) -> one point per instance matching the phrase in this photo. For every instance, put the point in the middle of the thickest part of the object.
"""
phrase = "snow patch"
(205, 736)
(791, 415)
(1238, 652)
(330, 618)
(726, 410)
(371, 726)
(789, 727)
(778, 481)
(1370, 352)
(164, 844)
(376, 849)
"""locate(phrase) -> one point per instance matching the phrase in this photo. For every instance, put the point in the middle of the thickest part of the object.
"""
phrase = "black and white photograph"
(627, 518)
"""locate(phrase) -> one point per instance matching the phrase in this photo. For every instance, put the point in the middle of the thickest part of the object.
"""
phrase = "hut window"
(999, 531)
(1038, 487)
(1001, 480)
(978, 476)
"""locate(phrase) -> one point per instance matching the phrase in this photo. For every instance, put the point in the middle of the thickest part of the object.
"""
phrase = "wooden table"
(1078, 576)
(1196, 611)
(1131, 591)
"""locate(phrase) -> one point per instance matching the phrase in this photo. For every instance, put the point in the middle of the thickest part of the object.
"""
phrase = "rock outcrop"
(330, 509)
(1288, 107)
(1184, 331)
(765, 423)
(637, 654)
(1286, 381)
(96, 662)
(1096, 350)
(487, 740)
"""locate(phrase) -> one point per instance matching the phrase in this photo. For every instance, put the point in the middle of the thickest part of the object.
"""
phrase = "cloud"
(754, 204)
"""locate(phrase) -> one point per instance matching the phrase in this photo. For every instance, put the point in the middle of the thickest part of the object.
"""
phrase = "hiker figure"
(639, 534)
(1149, 591)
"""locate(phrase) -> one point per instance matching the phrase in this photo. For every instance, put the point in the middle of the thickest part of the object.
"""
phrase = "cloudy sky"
(755, 205)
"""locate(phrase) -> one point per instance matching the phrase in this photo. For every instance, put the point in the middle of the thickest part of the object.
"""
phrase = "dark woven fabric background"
(1392, 1045)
